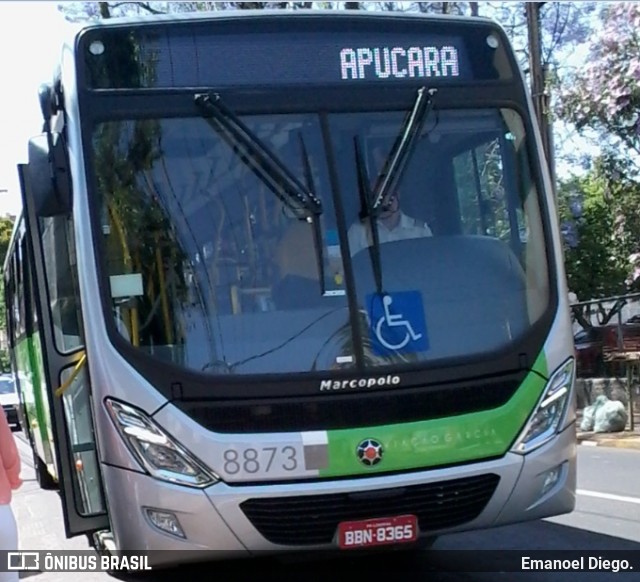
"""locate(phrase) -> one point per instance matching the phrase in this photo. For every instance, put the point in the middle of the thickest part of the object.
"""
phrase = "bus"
(207, 360)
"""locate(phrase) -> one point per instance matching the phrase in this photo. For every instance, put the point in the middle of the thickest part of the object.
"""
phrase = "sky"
(31, 35)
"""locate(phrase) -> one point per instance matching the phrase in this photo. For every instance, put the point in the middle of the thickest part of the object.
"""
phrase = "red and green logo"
(370, 452)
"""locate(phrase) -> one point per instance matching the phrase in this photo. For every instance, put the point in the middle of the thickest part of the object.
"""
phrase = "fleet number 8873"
(257, 461)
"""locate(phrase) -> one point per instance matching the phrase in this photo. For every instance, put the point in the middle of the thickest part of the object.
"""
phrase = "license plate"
(401, 529)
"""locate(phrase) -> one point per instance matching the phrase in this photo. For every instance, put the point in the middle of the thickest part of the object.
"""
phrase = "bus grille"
(314, 519)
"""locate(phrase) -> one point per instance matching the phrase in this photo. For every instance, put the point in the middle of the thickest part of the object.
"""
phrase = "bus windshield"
(209, 269)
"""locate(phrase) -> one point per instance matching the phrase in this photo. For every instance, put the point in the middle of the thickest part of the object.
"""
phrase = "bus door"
(57, 303)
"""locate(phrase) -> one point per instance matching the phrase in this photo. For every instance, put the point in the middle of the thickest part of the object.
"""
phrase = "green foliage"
(606, 234)
(6, 228)
(136, 221)
(480, 180)
(3, 307)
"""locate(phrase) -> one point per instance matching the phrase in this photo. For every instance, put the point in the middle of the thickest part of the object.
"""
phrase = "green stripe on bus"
(541, 365)
(441, 441)
(30, 364)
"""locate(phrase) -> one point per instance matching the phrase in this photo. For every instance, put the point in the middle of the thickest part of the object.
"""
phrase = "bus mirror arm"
(50, 99)
(44, 98)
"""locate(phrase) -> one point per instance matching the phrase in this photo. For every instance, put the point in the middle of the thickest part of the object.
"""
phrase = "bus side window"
(13, 307)
(8, 301)
(19, 307)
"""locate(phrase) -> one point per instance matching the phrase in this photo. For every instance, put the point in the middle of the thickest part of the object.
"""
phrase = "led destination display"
(290, 54)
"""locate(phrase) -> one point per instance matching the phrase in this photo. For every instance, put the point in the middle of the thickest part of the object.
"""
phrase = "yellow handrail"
(65, 385)
(162, 288)
(128, 261)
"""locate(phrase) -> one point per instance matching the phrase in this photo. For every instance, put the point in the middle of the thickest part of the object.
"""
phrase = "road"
(607, 517)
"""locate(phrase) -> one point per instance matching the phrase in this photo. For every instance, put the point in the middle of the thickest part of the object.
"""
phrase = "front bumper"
(216, 527)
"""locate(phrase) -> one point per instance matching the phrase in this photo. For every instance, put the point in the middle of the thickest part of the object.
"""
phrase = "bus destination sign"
(174, 57)
(399, 62)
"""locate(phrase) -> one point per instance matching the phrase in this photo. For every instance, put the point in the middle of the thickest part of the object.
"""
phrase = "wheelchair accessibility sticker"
(397, 323)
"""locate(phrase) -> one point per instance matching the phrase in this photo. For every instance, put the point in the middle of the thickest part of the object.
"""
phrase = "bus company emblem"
(379, 382)
(370, 452)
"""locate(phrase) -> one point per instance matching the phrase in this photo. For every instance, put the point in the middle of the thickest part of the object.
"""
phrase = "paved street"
(40, 523)
(607, 517)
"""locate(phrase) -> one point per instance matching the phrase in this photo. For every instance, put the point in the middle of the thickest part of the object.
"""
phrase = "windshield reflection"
(206, 264)
(211, 270)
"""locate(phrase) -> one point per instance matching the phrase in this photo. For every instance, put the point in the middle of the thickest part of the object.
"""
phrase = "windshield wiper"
(371, 205)
(367, 213)
(403, 146)
(260, 159)
(315, 219)
(301, 200)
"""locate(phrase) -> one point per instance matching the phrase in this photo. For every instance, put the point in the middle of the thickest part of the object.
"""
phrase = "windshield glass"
(7, 386)
(210, 270)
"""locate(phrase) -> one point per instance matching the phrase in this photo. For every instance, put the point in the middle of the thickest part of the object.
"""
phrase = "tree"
(563, 27)
(81, 11)
(603, 99)
(604, 96)
(6, 228)
(601, 231)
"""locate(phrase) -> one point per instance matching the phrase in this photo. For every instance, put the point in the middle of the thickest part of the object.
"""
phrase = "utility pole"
(539, 73)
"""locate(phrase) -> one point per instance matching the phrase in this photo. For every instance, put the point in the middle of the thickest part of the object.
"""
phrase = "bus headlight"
(155, 450)
(546, 418)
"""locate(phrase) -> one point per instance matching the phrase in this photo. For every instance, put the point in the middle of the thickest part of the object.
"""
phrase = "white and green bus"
(207, 360)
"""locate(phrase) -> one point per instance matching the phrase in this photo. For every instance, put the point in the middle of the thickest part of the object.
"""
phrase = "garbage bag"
(610, 417)
(589, 413)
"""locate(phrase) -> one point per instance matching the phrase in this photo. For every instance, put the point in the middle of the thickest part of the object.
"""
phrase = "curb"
(632, 443)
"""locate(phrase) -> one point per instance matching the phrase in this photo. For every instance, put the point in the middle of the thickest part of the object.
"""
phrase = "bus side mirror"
(48, 171)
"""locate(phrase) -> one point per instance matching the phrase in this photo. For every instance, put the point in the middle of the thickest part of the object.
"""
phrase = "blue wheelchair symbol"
(397, 323)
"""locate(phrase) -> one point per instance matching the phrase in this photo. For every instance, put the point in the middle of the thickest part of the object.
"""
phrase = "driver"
(393, 225)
